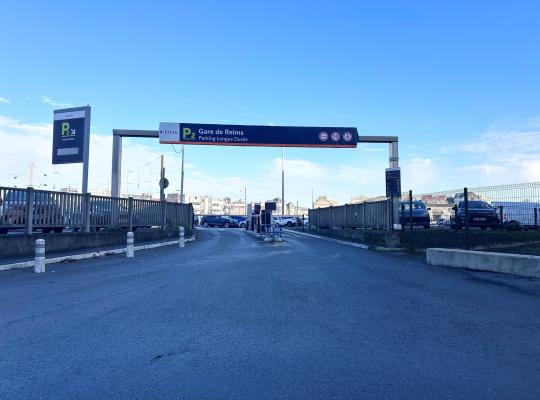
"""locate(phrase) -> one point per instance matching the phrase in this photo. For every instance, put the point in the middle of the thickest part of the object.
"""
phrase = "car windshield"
(479, 205)
(417, 205)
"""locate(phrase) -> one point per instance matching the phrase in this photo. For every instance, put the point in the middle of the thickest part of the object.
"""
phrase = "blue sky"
(457, 82)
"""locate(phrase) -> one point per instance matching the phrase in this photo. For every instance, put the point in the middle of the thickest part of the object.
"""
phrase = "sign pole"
(182, 179)
(86, 153)
(282, 181)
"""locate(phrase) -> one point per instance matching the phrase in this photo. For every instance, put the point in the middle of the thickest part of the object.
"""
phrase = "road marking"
(352, 244)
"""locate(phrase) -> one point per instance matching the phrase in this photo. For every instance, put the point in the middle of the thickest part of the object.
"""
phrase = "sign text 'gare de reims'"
(257, 135)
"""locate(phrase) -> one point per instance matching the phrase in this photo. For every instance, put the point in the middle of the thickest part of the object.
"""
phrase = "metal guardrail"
(53, 211)
(379, 215)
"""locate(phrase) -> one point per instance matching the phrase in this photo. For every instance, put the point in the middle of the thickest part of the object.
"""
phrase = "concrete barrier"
(515, 264)
(84, 256)
(12, 246)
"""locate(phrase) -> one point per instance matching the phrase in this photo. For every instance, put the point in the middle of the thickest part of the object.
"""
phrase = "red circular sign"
(323, 136)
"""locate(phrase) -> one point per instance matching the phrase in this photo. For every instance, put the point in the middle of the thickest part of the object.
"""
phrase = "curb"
(352, 244)
(95, 254)
(255, 235)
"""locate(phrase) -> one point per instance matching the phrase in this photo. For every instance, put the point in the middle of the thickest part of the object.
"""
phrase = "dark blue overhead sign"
(257, 135)
(70, 135)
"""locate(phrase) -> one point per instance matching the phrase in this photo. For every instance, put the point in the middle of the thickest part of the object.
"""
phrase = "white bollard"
(39, 265)
(181, 241)
(130, 252)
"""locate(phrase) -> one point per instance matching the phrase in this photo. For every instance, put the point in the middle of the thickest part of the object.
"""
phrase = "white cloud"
(419, 174)
(498, 156)
(512, 154)
(54, 103)
(485, 169)
(25, 144)
(4, 100)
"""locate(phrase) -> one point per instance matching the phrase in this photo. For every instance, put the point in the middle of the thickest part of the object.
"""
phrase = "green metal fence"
(504, 218)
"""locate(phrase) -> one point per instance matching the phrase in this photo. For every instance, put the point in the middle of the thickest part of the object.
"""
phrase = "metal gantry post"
(116, 175)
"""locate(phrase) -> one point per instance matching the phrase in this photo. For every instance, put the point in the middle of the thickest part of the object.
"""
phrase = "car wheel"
(226, 225)
(205, 224)
(289, 224)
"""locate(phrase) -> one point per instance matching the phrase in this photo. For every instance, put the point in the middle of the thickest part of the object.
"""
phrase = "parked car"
(481, 215)
(420, 214)
(442, 222)
(284, 220)
(45, 208)
(240, 219)
(218, 220)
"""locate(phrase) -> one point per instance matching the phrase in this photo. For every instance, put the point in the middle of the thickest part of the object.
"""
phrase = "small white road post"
(181, 241)
(39, 265)
(130, 251)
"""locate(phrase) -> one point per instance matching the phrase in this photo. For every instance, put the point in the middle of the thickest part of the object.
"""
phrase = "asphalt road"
(232, 318)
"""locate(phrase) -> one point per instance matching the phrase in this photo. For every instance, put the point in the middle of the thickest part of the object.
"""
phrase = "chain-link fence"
(501, 218)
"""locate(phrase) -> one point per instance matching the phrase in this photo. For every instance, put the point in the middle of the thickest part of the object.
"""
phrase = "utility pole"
(282, 181)
(161, 177)
(245, 201)
(182, 178)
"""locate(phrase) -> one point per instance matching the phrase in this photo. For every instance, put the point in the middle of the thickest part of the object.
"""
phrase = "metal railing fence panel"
(57, 210)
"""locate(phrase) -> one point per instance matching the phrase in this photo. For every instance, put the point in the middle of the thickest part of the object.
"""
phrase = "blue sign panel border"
(393, 182)
(263, 135)
(71, 134)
